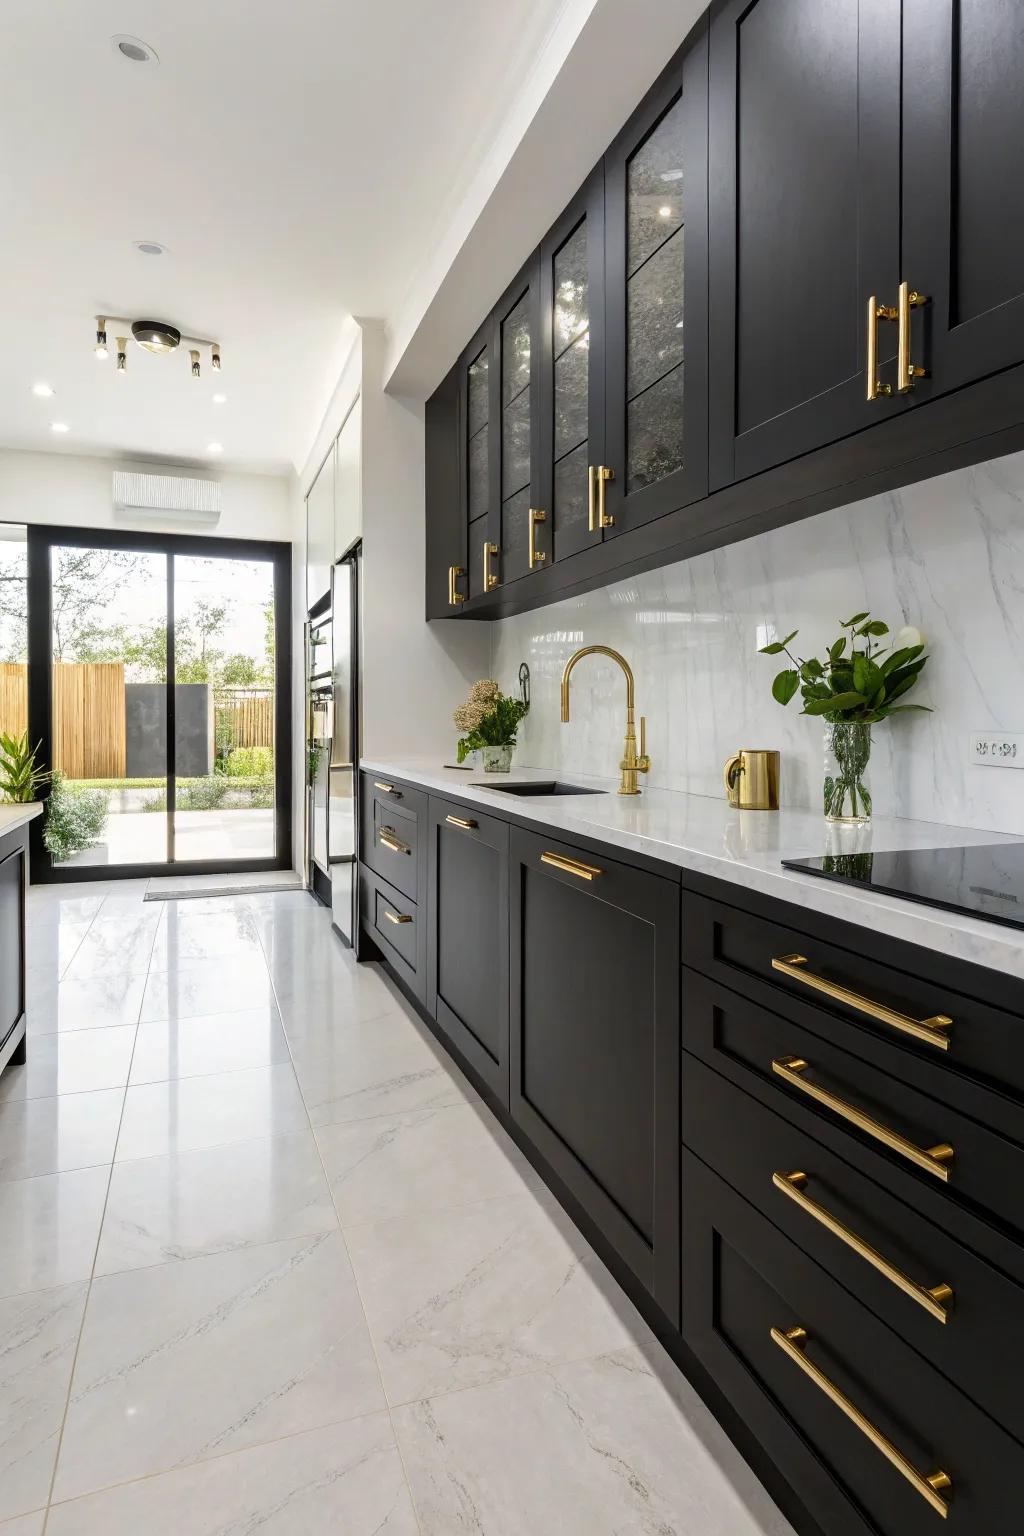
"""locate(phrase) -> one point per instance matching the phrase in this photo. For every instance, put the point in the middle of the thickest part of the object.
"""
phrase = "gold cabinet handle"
(793, 1343)
(906, 371)
(936, 1299)
(387, 789)
(933, 1031)
(571, 866)
(455, 597)
(876, 312)
(604, 474)
(933, 1160)
(397, 917)
(457, 821)
(537, 556)
(386, 835)
(490, 580)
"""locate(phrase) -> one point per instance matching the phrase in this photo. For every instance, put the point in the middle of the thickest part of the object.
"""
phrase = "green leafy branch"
(852, 682)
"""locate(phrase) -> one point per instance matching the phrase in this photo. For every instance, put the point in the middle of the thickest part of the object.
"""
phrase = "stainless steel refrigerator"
(346, 736)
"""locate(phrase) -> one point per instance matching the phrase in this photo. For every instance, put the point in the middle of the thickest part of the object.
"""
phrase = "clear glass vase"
(847, 760)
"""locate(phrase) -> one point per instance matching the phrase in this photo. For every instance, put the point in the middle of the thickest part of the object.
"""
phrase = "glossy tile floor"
(267, 1264)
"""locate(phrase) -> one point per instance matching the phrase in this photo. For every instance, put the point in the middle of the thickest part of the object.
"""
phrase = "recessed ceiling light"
(58, 426)
(665, 211)
(671, 175)
(150, 247)
(44, 391)
(215, 448)
(133, 49)
(220, 399)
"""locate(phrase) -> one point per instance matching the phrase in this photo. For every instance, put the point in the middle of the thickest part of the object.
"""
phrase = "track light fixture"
(155, 336)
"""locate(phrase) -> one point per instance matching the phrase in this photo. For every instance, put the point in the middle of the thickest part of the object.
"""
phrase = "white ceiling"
(299, 160)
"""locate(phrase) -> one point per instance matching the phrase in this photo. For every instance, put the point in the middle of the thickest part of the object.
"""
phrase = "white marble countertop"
(13, 816)
(704, 835)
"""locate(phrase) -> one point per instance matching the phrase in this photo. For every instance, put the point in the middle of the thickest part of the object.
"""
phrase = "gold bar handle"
(397, 917)
(537, 556)
(793, 1343)
(490, 580)
(592, 498)
(457, 821)
(933, 1031)
(604, 474)
(934, 1160)
(571, 866)
(387, 789)
(387, 836)
(455, 597)
(876, 312)
(906, 371)
(936, 1300)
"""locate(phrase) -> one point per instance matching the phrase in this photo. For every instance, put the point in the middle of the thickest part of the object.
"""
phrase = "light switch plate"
(996, 749)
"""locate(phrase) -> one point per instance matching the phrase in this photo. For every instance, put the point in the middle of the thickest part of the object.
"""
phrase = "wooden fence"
(88, 715)
(245, 719)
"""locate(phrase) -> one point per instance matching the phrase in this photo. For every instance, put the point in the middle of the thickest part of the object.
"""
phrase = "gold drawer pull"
(933, 1160)
(455, 597)
(537, 556)
(457, 821)
(386, 835)
(571, 866)
(387, 789)
(933, 1031)
(397, 917)
(906, 371)
(793, 1343)
(936, 1299)
(876, 312)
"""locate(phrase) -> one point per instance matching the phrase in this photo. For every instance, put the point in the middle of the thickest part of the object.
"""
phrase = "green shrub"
(203, 794)
(250, 762)
(75, 818)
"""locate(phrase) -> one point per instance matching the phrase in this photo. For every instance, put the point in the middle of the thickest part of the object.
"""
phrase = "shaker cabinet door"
(963, 187)
(444, 512)
(656, 277)
(478, 370)
(804, 220)
(515, 431)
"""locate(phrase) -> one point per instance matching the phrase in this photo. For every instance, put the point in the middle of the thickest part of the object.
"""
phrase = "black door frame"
(41, 540)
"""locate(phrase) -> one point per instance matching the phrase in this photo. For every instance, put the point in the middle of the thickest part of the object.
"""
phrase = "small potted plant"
(489, 720)
(20, 778)
(853, 686)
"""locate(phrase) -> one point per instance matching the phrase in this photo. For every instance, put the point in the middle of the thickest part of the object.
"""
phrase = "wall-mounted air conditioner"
(168, 498)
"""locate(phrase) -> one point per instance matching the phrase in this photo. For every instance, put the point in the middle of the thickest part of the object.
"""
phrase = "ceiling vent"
(169, 498)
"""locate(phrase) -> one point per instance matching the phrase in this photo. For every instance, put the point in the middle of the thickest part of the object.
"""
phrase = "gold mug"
(751, 778)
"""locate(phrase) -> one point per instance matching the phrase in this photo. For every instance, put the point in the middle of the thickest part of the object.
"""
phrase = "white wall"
(946, 555)
(76, 490)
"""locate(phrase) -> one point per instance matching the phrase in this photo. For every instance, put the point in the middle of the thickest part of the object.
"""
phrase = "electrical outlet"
(996, 749)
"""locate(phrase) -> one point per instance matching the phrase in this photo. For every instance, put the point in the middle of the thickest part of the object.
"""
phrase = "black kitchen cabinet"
(804, 219)
(656, 248)
(467, 937)
(594, 1043)
(963, 191)
(480, 512)
(515, 433)
(445, 522)
(13, 862)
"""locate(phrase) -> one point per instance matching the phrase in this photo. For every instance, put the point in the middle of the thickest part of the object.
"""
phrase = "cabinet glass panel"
(515, 444)
(477, 453)
(515, 351)
(478, 477)
(571, 344)
(478, 397)
(515, 531)
(571, 493)
(654, 304)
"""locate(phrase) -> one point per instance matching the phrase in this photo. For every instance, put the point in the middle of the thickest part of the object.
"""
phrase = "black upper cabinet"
(445, 517)
(515, 431)
(804, 219)
(571, 404)
(656, 250)
(963, 192)
(477, 422)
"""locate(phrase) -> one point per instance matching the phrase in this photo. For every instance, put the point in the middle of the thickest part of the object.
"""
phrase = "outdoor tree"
(84, 583)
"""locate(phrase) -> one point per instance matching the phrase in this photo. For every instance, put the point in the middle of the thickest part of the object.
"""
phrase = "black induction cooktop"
(984, 881)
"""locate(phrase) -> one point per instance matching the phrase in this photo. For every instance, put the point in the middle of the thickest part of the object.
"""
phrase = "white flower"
(908, 636)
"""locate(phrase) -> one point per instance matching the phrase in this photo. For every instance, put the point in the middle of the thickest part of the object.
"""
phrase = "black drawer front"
(393, 922)
(750, 1044)
(963, 1334)
(393, 816)
(747, 953)
(742, 1279)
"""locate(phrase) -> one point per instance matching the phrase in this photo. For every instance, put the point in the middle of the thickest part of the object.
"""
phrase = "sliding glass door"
(158, 685)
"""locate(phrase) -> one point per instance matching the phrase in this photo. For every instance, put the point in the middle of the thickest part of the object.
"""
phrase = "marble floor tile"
(38, 1334)
(77, 1130)
(227, 984)
(595, 1448)
(51, 947)
(112, 944)
(96, 1002)
(193, 1112)
(343, 1481)
(380, 1067)
(184, 1362)
(49, 911)
(424, 1160)
(76, 1061)
(24, 1525)
(195, 1047)
(165, 1208)
(476, 1292)
(184, 938)
(48, 1228)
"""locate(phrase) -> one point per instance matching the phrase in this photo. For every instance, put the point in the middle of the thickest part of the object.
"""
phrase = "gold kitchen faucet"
(632, 763)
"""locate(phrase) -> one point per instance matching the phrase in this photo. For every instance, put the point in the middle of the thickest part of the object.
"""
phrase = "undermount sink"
(551, 787)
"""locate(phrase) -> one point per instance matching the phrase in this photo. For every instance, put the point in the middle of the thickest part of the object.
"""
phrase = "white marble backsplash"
(946, 555)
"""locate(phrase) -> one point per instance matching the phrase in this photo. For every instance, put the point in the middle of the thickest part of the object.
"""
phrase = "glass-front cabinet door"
(656, 297)
(515, 484)
(475, 434)
(572, 374)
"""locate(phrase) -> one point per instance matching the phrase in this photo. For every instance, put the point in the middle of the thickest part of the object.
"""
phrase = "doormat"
(188, 892)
